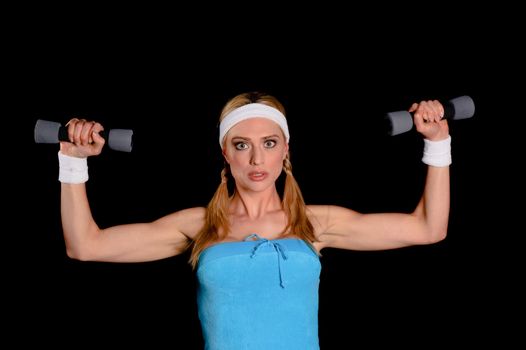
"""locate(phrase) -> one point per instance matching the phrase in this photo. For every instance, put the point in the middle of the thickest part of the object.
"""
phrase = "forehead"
(255, 127)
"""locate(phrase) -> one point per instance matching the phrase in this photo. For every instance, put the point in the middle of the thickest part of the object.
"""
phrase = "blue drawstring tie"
(280, 250)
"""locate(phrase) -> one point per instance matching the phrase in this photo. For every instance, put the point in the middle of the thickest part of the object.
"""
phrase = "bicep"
(162, 238)
(348, 229)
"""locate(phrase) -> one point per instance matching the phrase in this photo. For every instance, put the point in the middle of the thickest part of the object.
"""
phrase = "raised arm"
(339, 227)
(165, 237)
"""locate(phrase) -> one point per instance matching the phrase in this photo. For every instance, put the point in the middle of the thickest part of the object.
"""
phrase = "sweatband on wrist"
(437, 153)
(72, 170)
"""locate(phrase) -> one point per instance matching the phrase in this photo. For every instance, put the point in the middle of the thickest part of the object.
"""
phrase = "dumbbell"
(53, 132)
(457, 108)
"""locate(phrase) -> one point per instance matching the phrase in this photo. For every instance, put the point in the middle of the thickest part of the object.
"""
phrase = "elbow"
(83, 246)
(437, 235)
(79, 253)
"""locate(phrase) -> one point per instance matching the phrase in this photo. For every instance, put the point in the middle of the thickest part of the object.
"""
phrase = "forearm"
(433, 207)
(77, 221)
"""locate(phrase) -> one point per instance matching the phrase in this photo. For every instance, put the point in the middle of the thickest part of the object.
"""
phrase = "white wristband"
(437, 153)
(72, 170)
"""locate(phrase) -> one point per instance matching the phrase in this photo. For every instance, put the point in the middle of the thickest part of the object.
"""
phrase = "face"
(255, 149)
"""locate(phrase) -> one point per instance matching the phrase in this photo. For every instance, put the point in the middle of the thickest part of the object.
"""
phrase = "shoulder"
(318, 216)
(326, 213)
(188, 221)
(327, 218)
(316, 212)
(196, 212)
(186, 214)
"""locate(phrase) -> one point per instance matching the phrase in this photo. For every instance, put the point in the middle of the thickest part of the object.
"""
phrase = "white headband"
(252, 110)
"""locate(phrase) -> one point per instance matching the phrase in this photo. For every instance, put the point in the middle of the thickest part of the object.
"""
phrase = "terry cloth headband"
(252, 110)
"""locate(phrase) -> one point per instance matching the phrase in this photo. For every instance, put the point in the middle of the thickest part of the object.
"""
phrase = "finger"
(424, 111)
(439, 109)
(72, 120)
(433, 111)
(85, 136)
(413, 107)
(78, 131)
(419, 120)
(427, 111)
(71, 128)
(418, 113)
(97, 128)
(436, 111)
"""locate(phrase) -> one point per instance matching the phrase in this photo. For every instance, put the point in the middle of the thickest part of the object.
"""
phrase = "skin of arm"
(162, 238)
(339, 227)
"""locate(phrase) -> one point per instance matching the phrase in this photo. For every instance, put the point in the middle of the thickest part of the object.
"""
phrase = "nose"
(256, 156)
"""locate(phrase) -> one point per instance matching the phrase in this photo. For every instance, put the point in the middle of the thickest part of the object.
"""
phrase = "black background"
(169, 86)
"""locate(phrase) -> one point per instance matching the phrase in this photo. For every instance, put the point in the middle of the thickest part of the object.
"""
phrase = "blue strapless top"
(259, 294)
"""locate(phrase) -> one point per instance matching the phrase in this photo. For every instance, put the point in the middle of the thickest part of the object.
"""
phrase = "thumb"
(419, 121)
(97, 128)
(97, 138)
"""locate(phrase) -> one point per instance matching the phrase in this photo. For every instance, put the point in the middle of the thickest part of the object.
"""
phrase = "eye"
(270, 143)
(241, 146)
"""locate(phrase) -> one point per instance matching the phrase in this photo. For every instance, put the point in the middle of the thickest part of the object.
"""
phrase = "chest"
(270, 226)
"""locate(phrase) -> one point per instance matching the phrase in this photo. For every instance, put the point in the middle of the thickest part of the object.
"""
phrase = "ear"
(223, 152)
(286, 151)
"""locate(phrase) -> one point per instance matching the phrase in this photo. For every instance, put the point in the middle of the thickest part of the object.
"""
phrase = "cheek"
(278, 160)
(237, 163)
(277, 164)
(237, 167)
(236, 159)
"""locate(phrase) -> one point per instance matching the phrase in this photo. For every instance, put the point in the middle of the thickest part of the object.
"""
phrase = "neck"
(255, 204)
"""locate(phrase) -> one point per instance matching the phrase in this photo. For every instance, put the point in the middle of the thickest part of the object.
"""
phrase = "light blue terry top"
(259, 294)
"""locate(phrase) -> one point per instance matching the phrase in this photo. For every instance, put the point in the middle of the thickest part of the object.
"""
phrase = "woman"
(256, 252)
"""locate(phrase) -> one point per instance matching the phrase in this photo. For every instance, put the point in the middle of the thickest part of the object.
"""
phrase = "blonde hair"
(217, 225)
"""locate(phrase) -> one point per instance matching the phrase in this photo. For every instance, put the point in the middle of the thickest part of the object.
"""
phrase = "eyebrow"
(248, 138)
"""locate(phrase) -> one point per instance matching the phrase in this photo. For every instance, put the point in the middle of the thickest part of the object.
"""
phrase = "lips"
(257, 175)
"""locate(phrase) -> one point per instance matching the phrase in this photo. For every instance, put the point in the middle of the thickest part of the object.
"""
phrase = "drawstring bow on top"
(280, 252)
